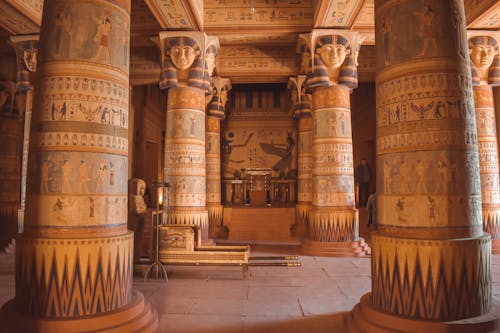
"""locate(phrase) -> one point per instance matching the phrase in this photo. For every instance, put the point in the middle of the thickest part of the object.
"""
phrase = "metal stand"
(157, 268)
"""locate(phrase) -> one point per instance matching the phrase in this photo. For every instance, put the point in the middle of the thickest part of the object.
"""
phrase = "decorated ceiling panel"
(337, 14)
(20, 18)
(294, 14)
(174, 15)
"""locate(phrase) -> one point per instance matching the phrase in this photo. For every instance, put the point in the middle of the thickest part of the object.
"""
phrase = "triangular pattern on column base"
(137, 316)
(365, 318)
(357, 248)
(495, 246)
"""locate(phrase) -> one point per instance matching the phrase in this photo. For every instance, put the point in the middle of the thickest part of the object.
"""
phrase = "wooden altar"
(260, 206)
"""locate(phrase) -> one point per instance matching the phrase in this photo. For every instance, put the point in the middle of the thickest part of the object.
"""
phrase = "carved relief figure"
(101, 178)
(84, 177)
(387, 34)
(427, 21)
(420, 184)
(62, 22)
(44, 183)
(102, 37)
(66, 174)
(483, 51)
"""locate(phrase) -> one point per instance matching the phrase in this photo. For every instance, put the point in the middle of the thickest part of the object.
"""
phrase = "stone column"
(185, 56)
(26, 48)
(333, 226)
(485, 74)
(301, 102)
(431, 261)
(74, 261)
(215, 114)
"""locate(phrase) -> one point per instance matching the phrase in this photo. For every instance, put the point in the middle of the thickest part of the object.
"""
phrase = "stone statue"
(137, 213)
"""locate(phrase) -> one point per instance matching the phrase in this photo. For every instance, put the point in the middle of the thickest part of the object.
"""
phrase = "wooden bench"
(181, 245)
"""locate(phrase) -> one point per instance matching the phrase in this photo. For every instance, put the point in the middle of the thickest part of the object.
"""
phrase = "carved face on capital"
(333, 55)
(183, 56)
(482, 50)
(482, 56)
(210, 61)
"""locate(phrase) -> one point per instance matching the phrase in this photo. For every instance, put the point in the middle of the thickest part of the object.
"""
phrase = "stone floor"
(311, 298)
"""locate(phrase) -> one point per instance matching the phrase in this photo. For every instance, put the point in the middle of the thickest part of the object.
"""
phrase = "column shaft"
(75, 256)
(430, 258)
(213, 174)
(488, 159)
(334, 218)
(185, 161)
(304, 186)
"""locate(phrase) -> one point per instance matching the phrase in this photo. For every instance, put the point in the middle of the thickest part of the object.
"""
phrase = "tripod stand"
(157, 268)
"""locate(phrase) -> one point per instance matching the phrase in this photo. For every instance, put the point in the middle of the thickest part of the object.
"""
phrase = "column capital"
(218, 98)
(301, 100)
(26, 47)
(332, 57)
(187, 59)
(484, 56)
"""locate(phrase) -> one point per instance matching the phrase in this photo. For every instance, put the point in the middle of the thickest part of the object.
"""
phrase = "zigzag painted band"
(73, 277)
(432, 279)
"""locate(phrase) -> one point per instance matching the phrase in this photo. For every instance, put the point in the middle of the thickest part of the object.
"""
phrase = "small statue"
(137, 213)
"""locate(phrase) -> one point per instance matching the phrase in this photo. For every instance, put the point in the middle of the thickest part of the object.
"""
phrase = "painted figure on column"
(102, 37)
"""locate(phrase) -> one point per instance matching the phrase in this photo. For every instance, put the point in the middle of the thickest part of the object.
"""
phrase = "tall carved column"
(215, 114)
(333, 226)
(431, 261)
(485, 74)
(26, 48)
(74, 259)
(185, 56)
(302, 111)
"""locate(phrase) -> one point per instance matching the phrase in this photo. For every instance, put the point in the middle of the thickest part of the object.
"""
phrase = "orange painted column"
(302, 111)
(333, 221)
(485, 73)
(186, 76)
(431, 260)
(74, 259)
(215, 114)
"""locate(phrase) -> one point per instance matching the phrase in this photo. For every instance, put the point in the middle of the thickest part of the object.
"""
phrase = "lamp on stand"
(157, 268)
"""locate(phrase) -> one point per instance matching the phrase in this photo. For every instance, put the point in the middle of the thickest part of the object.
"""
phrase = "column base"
(190, 216)
(301, 228)
(365, 317)
(137, 316)
(357, 248)
(495, 246)
(215, 227)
